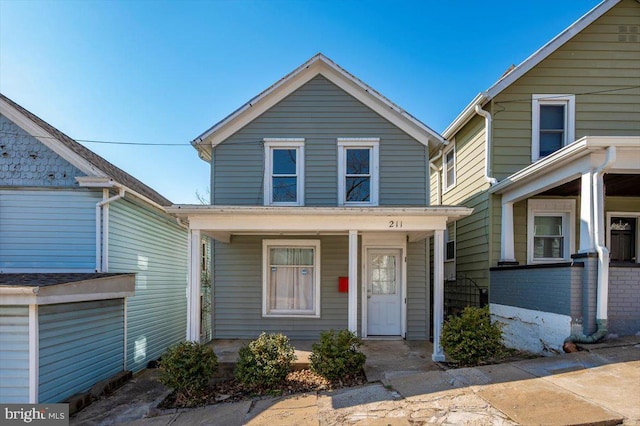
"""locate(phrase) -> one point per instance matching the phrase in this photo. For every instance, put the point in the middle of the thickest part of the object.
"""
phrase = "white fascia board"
(107, 182)
(526, 65)
(319, 64)
(48, 140)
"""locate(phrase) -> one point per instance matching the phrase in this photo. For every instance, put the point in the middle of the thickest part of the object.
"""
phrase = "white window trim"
(552, 207)
(636, 215)
(283, 143)
(367, 143)
(570, 119)
(446, 185)
(266, 244)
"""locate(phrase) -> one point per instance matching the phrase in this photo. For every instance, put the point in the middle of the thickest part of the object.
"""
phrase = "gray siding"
(321, 113)
(238, 291)
(624, 300)
(153, 246)
(25, 161)
(48, 229)
(418, 300)
(80, 345)
(14, 354)
(543, 288)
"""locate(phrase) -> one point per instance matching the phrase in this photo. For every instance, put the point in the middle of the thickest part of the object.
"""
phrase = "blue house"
(93, 270)
(320, 215)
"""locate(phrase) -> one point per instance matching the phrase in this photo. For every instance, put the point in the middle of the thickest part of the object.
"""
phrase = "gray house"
(319, 215)
(92, 267)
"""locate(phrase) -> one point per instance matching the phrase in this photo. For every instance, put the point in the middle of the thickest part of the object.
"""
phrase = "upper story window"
(449, 168)
(553, 124)
(284, 172)
(550, 233)
(358, 171)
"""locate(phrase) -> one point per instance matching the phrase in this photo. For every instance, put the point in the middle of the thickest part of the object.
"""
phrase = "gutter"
(602, 296)
(487, 144)
(102, 215)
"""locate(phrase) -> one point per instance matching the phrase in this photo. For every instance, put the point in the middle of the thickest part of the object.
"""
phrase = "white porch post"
(193, 288)
(438, 293)
(353, 282)
(587, 239)
(34, 354)
(507, 252)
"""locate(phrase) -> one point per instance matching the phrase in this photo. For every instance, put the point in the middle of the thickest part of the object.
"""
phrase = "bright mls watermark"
(34, 414)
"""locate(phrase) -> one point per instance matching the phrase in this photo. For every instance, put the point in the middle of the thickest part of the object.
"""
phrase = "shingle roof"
(94, 159)
(48, 279)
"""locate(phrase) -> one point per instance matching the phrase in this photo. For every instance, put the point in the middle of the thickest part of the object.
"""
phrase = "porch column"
(586, 214)
(507, 252)
(193, 288)
(438, 293)
(353, 282)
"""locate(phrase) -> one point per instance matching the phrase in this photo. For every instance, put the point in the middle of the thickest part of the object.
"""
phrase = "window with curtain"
(291, 278)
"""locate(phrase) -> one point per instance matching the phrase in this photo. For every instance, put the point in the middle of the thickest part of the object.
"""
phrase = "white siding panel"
(153, 246)
(49, 229)
(14, 354)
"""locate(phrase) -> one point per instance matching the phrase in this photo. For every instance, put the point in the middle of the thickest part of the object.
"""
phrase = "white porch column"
(193, 288)
(507, 252)
(34, 354)
(438, 293)
(586, 214)
(353, 282)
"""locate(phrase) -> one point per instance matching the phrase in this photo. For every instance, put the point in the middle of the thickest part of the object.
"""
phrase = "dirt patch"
(230, 390)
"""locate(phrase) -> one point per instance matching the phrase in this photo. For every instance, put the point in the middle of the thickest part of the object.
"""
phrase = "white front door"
(384, 292)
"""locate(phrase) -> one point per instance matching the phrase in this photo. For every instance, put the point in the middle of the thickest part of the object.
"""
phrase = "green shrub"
(187, 368)
(471, 338)
(336, 356)
(265, 362)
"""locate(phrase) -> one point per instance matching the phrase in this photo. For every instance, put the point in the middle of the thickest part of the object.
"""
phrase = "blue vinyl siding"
(48, 229)
(80, 344)
(152, 245)
(320, 112)
(14, 354)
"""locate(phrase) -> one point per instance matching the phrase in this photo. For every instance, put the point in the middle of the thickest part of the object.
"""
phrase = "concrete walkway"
(600, 386)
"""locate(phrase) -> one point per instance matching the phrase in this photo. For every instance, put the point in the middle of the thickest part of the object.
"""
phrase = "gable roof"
(513, 75)
(318, 64)
(81, 157)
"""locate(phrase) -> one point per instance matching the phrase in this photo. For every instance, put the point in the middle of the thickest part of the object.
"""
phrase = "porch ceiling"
(616, 185)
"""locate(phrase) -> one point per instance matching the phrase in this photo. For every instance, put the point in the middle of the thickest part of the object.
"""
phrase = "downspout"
(437, 171)
(487, 144)
(102, 243)
(602, 296)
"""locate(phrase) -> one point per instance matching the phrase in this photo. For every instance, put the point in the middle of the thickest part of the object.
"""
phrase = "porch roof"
(220, 222)
(570, 163)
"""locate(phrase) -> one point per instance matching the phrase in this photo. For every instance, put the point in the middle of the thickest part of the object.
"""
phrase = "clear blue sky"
(165, 71)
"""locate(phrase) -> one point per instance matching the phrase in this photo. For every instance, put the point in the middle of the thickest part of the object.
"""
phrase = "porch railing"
(462, 292)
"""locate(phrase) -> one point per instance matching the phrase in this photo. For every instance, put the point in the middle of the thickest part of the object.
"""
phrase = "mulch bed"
(230, 390)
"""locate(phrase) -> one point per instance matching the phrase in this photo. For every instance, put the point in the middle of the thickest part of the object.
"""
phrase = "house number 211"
(395, 224)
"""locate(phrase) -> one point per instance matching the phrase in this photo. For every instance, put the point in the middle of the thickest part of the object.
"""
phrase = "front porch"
(385, 358)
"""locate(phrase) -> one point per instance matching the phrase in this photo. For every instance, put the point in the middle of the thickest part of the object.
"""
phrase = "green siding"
(48, 230)
(80, 345)
(14, 354)
(153, 246)
(418, 300)
(594, 66)
(319, 112)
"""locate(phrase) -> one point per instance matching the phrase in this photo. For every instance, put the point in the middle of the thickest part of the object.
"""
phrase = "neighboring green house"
(549, 159)
(92, 267)
(319, 214)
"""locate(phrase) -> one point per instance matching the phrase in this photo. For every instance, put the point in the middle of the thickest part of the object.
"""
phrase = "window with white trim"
(284, 172)
(552, 123)
(358, 171)
(550, 230)
(449, 168)
(291, 278)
